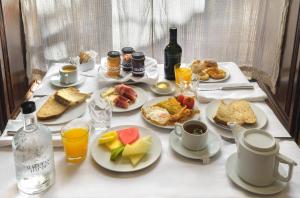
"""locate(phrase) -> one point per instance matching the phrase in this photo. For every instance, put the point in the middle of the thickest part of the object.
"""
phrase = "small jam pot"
(113, 64)
(126, 58)
(138, 64)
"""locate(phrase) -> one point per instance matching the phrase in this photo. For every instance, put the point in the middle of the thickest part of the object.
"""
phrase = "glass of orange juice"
(183, 75)
(75, 136)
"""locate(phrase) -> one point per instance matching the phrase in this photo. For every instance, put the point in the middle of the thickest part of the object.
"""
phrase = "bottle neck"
(30, 123)
(173, 36)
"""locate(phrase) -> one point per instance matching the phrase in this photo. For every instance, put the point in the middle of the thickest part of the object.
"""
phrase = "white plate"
(140, 100)
(159, 99)
(156, 91)
(102, 156)
(150, 77)
(55, 80)
(274, 188)
(210, 80)
(70, 114)
(212, 107)
(214, 143)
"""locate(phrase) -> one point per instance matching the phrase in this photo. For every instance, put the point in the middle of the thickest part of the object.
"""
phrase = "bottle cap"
(113, 54)
(138, 55)
(173, 29)
(173, 33)
(127, 50)
(28, 107)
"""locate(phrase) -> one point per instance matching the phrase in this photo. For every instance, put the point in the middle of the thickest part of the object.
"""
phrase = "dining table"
(172, 175)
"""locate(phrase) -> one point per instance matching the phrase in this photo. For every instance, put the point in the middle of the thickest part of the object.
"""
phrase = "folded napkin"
(14, 125)
(7, 140)
(151, 73)
(254, 95)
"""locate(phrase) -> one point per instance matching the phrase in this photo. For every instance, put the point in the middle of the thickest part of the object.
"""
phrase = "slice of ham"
(126, 91)
(122, 102)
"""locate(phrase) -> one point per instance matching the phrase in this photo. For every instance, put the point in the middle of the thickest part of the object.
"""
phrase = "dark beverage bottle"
(173, 53)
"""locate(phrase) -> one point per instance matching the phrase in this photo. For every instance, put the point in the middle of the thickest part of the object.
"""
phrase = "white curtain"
(246, 32)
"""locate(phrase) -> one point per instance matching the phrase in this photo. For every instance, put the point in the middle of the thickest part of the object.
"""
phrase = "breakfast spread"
(238, 111)
(120, 95)
(126, 143)
(207, 69)
(171, 110)
(58, 103)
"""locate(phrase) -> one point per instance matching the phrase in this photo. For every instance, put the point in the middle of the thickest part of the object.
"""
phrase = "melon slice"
(128, 135)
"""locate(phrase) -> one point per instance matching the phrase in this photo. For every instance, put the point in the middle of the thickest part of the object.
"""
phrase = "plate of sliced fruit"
(123, 97)
(126, 148)
(165, 111)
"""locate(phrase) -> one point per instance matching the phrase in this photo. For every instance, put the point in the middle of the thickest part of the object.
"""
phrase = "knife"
(232, 87)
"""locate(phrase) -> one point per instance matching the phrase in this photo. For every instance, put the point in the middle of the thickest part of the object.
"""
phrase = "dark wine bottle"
(173, 53)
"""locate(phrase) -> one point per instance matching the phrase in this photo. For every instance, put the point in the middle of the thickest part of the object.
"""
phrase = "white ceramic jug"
(258, 156)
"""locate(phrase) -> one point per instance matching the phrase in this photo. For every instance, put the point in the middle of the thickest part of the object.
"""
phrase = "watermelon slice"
(128, 135)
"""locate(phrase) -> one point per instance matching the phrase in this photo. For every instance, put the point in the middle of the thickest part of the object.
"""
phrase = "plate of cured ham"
(123, 97)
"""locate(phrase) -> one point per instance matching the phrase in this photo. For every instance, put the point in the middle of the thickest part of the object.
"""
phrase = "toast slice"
(238, 111)
(70, 96)
(51, 109)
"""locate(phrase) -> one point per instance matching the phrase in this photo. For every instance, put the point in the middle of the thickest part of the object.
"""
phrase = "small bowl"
(162, 88)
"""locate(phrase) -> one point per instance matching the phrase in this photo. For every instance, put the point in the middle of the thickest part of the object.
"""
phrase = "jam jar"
(138, 64)
(113, 64)
(126, 58)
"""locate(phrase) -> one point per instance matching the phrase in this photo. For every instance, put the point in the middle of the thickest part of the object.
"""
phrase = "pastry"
(203, 75)
(215, 73)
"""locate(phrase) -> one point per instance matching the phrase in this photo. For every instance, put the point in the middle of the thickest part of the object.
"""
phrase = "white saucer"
(55, 80)
(156, 91)
(213, 146)
(276, 187)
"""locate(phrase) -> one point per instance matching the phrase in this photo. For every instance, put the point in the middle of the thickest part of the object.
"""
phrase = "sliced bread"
(238, 111)
(70, 96)
(51, 109)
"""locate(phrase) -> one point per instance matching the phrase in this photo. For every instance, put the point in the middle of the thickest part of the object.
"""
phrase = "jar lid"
(127, 50)
(138, 55)
(28, 107)
(259, 140)
(113, 54)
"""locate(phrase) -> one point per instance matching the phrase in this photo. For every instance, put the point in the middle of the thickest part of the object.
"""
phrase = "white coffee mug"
(68, 74)
(192, 141)
(258, 158)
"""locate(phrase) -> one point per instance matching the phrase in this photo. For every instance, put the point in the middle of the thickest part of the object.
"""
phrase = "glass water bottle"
(33, 153)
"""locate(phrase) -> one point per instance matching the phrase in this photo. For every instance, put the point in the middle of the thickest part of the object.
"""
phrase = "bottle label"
(33, 162)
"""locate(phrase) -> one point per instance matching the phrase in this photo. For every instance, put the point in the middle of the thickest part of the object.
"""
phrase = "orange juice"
(183, 75)
(75, 141)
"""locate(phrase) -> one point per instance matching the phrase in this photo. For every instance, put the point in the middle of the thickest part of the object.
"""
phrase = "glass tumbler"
(101, 112)
(75, 140)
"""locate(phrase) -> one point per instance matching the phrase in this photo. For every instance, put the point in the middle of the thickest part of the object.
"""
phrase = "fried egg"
(157, 114)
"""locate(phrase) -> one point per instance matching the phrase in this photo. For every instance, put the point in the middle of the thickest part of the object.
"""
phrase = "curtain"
(248, 33)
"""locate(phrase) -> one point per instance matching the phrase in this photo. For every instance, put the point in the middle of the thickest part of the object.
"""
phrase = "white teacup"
(68, 74)
(193, 140)
(258, 157)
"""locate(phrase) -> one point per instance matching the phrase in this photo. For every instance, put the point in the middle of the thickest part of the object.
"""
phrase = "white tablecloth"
(171, 176)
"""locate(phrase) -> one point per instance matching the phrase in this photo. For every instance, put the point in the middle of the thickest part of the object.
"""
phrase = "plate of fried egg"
(165, 111)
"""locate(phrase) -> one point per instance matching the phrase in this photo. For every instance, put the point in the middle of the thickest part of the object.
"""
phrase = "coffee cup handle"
(178, 128)
(285, 160)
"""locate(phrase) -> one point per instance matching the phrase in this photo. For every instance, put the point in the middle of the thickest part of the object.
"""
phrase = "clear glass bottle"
(33, 154)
